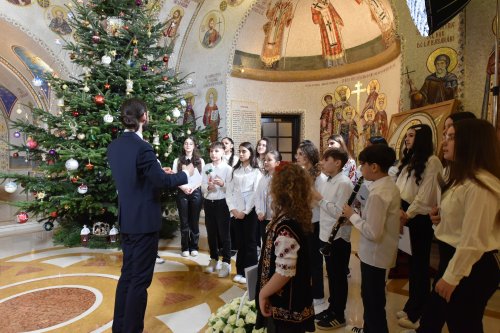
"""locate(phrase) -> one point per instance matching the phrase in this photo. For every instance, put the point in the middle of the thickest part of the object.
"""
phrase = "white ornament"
(106, 60)
(166, 154)
(19, 111)
(130, 85)
(176, 113)
(71, 164)
(85, 230)
(188, 132)
(183, 102)
(113, 53)
(64, 87)
(86, 88)
(80, 136)
(10, 187)
(44, 157)
(82, 189)
(189, 81)
(40, 195)
(156, 140)
(108, 118)
(60, 102)
(168, 118)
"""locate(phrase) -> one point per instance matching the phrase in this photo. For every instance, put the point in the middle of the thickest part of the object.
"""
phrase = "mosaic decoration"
(7, 99)
(36, 66)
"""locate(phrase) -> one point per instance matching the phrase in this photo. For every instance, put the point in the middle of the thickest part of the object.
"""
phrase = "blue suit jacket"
(139, 180)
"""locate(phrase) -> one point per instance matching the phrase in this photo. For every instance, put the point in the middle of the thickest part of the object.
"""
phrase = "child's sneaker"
(237, 278)
(330, 323)
(211, 267)
(243, 280)
(354, 329)
(185, 254)
(219, 265)
(159, 260)
(194, 253)
(322, 315)
(225, 270)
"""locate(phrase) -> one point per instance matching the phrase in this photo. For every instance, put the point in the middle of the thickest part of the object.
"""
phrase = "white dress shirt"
(176, 163)
(379, 226)
(424, 196)
(227, 157)
(263, 199)
(222, 171)
(318, 184)
(470, 223)
(240, 190)
(335, 192)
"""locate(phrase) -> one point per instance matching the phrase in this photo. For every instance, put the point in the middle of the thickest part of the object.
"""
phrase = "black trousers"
(373, 295)
(262, 230)
(217, 223)
(464, 313)
(189, 207)
(421, 234)
(316, 260)
(337, 265)
(246, 242)
(139, 255)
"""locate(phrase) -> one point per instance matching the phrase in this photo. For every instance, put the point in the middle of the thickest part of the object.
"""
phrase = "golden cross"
(358, 92)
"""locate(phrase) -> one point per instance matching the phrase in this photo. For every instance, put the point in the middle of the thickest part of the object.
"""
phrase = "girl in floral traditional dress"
(284, 278)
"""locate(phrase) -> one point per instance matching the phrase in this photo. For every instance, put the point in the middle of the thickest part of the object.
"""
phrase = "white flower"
(232, 319)
(240, 322)
(227, 329)
(239, 330)
(219, 325)
(234, 307)
(244, 310)
(224, 312)
(251, 318)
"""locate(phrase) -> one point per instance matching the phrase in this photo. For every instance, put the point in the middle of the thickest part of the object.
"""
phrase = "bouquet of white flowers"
(237, 316)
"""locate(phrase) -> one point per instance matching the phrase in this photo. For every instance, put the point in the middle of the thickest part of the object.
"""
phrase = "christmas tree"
(120, 49)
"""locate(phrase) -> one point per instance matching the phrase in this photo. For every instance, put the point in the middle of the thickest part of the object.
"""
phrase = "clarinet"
(327, 249)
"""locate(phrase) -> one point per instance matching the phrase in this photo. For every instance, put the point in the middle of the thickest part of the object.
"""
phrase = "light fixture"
(37, 82)
(430, 15)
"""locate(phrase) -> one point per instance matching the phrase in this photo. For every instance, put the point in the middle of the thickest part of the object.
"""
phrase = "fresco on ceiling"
(327, 29)
(211, 117)
(7, 99)
(20, 2)
(355, 122)
(35, 65)
(212, 29)
(441, 85)
(58, 18)
(234, 3)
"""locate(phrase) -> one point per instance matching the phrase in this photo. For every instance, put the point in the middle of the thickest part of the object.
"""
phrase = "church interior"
(289, 70)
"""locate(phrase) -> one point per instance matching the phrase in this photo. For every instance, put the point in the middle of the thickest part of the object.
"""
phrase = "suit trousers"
(337, 265)
(139, 255)
(245, 231)
(217, 223)
(373, 295)
(189, 207)
(464, 313)
(316, 261)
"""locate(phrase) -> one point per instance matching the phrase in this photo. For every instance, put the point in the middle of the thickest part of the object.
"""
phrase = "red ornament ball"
(138, 2)
(114, 130)
(96, 39)
(22, 217)
(15, 155)
(74, 179)
(107, 86)
(166, 58)
(99, 100)
(53, 214)
(75, 113)
(31, 144)
(165, 78)
(166, 136)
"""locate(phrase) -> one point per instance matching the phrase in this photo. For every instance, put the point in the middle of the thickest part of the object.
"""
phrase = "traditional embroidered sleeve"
(285, 249)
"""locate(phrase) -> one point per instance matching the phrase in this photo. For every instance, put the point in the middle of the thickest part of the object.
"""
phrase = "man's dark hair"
(382, 155)
(377, 140)
(216, 144)
(337, 154)
(131, 112)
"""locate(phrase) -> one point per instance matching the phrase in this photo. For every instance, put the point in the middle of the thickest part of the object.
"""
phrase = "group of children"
(296, 206)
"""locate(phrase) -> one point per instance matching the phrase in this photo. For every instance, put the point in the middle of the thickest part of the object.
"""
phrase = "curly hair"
(291, 193)
(416, 157)
(311, 153)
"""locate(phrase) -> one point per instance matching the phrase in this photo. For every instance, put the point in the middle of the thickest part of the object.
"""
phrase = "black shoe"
(322, 315)
(330, 323)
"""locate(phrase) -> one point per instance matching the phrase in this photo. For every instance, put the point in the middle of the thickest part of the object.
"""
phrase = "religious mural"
(189, 115)
(212, 29)
(383, 17)
(170, 31)
(7, 100)
(20, 2)
(36, 66)
(441, 85)
(58, 17)
(211, 117)
(279, 17)
(234, 3)
(487, 108)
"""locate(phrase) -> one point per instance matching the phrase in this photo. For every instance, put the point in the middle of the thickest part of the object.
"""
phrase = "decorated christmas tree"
(120, 51)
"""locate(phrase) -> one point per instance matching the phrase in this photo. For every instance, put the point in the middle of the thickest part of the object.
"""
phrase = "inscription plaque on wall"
(244, 122)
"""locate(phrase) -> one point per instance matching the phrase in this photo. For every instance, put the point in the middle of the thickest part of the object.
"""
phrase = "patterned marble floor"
(46, 288)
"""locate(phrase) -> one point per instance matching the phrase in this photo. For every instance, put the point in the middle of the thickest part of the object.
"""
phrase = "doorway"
(283, 132)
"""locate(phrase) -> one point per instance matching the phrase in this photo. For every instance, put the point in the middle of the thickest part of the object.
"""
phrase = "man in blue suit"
(139, 180)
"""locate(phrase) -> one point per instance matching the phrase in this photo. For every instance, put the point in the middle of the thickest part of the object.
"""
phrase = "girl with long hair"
(308, 158)
(262, 148)
(189, 199)
(417, 180)
(349, 169)
(468, 230)
(284, 281)
(262, 199)
(229, 156)
(240, 192)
